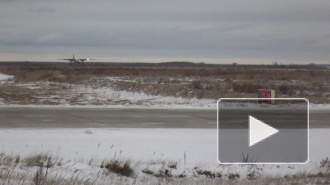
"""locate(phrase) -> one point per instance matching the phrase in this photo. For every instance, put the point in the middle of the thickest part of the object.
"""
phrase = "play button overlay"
(251, 132)
(259, 130)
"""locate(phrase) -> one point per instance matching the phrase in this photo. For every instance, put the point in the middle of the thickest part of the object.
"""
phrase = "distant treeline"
(166, 64)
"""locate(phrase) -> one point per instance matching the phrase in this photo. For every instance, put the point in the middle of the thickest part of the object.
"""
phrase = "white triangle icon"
(259, 130)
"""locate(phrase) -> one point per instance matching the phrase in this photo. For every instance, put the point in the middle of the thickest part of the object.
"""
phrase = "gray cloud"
(43, 9)
(288, 30)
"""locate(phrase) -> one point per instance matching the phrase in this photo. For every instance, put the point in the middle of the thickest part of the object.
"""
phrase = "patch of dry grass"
(39, 160)
(34, 169)
(117, 167)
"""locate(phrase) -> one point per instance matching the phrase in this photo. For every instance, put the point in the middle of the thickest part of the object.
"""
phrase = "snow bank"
(4, 77)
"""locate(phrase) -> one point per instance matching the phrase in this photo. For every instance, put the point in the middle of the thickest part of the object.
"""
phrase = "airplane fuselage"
(74, 60)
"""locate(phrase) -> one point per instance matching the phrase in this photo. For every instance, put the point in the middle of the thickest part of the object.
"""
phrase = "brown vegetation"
(62, 73)
(212, 83)
(115, 166)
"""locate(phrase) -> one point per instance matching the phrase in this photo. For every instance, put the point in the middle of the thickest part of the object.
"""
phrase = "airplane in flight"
(76, 60)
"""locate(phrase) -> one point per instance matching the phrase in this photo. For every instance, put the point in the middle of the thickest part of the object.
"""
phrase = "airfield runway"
(22, 117)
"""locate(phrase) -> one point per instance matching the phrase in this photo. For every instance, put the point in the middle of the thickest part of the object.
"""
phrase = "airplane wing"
(85, 59)
(69, 59)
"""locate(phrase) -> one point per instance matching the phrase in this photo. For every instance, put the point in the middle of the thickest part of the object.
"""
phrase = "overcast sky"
(262, 31)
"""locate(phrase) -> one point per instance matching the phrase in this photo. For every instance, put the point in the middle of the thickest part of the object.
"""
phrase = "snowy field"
(188, 152)
(156, 156)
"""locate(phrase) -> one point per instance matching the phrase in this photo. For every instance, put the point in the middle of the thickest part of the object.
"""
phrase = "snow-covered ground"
(63, 94)
(182, 152)
(189, 148)
(5, 77)
(127, 98)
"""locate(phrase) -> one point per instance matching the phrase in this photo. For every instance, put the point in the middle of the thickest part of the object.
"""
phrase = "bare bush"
(116, 167)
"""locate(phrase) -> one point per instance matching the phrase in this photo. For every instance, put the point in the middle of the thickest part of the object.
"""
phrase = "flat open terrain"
(108, 85)
(78, 142)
